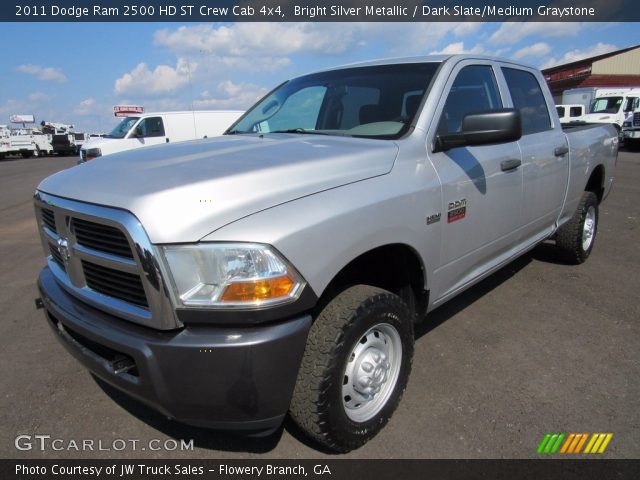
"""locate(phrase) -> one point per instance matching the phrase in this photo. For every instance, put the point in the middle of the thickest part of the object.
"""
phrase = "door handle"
(512, 164)
(560, 151)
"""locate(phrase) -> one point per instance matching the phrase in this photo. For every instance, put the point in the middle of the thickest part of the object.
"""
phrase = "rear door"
(545, 153)
(482, 199)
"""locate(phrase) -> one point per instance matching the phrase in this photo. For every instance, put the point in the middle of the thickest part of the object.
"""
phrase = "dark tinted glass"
(528, 98)
(378, 101)
(474, 90)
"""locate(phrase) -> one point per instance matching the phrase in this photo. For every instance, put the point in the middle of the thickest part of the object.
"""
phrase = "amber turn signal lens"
(258, 290)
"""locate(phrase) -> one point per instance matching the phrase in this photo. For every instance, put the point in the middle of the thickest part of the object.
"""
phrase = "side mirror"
(137, 133)
(482, 128)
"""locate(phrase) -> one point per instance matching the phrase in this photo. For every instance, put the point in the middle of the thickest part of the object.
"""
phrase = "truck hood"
(98, 142)
(182, 192)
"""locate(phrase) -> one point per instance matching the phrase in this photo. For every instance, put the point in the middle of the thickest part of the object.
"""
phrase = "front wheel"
(355, 367)
(575, 238)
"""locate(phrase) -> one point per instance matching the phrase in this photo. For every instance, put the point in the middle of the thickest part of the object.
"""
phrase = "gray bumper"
(227, 378)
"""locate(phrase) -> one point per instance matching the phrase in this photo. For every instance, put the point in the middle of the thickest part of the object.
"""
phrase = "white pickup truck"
(280, 269)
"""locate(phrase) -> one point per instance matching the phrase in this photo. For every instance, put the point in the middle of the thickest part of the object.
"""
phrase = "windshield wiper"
(236, 132)
(299, 130)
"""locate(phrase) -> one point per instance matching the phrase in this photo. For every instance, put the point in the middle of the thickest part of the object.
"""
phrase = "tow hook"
(39, 303)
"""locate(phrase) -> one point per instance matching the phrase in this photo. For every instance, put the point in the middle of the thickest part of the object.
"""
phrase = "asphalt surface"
(538, 347)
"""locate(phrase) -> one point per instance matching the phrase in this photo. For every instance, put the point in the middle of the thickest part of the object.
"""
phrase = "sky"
(76, 72)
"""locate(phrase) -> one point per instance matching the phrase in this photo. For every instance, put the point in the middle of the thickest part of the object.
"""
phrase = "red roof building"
(614, 69)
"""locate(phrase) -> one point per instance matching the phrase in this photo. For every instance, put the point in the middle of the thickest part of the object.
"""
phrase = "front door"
(481, 185)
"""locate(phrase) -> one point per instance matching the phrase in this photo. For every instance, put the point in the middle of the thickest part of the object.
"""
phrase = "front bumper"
(218, 377)
(631, 134)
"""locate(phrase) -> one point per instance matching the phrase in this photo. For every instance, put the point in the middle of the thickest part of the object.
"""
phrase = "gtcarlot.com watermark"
(46, 443)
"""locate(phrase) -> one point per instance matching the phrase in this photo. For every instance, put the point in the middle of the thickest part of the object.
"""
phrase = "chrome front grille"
(48, 219)
(57, 257)
(117, 284)
(101, 237)
(103, 256)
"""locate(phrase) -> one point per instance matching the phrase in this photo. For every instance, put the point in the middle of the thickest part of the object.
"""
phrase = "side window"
(527, 97)
(575, 112)
(560, 111)
(474, 90)
(632, 104)
(152, 127)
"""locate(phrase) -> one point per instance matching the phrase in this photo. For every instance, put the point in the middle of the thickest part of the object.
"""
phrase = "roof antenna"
(193, 113)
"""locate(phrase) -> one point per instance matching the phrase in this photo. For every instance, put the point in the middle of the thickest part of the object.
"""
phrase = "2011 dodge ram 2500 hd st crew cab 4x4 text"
(280, 269)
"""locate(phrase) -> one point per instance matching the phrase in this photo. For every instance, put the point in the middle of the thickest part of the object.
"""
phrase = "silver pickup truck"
(280, 269)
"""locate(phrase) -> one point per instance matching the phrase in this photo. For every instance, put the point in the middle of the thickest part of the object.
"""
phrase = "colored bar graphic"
(543, 443)
(607, 439)
(572, 443)
(584, 439)
(555, 447)
(567, 443)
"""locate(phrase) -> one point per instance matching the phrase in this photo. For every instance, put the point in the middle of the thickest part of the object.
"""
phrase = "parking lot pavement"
(538, 347)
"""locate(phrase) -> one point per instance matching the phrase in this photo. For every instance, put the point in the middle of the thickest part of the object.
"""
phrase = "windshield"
(122, 128)
(377, 102)
(606, 105)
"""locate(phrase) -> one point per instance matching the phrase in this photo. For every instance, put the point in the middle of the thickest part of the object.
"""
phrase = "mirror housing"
(137, 132)
(482, 128)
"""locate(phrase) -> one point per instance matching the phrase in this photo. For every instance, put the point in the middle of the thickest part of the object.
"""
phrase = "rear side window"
(152, 127)
(575, 112)
(560, 111)
(474, 90)
(527, 97)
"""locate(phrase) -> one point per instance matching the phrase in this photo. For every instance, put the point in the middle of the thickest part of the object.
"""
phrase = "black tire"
(570, 238)
(26, 154)
(318, 406)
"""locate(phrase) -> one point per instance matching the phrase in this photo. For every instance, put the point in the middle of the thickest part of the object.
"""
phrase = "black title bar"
(579, 469)
(319, 11)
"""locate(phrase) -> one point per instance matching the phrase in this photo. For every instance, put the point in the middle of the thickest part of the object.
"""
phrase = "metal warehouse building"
(614, 69)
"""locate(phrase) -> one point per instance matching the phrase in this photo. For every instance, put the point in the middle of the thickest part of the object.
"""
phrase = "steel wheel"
(588, 228)
(371, 373)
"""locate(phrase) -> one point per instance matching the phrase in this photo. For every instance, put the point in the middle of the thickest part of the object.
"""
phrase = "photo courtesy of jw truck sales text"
(205, 265)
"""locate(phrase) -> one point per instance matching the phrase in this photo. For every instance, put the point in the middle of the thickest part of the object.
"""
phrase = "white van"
(157, 128)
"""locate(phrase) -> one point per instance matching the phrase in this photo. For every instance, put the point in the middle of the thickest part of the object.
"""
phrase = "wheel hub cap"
(589, 228)
(371, 372)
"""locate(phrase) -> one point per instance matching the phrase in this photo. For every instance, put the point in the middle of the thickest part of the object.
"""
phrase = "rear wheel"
(575, 238)
(26, 153)
(355, 367)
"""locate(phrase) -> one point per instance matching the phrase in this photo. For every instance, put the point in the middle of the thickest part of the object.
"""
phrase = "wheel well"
(596, 182)
(396, 268)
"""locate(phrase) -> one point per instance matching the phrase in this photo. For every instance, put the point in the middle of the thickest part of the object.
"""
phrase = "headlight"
(231, 275)
(92, 153)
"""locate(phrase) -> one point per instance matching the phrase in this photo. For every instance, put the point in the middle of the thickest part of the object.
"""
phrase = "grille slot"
(101, 237)
(125, 286)
(48, 219)
(56, 257)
